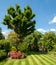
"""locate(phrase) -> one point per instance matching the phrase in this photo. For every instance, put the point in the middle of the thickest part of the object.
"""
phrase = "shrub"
(16, 55)
(3, 55)
(55, 47)
(13, 48)
(5, 44)
(23, 46)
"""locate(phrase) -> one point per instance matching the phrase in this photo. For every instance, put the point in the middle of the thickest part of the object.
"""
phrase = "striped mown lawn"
(32, 60)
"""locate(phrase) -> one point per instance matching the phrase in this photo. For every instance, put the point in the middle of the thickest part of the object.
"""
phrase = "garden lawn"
(42, 59)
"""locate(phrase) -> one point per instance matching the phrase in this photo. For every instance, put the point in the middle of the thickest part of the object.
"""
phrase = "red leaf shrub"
(22, 56)
(16, 55)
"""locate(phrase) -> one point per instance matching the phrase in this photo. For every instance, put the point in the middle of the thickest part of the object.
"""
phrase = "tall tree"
(20, 21)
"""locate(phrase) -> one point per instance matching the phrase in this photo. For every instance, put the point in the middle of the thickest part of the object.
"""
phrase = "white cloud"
(41, 30)
(5, 33)
(54, 30)
(53, 20)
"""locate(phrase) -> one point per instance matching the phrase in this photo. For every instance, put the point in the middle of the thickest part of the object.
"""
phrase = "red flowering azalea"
(16, 54)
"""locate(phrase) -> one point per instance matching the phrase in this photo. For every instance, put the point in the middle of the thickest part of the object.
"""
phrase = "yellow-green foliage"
(13, 48)
(23, 46)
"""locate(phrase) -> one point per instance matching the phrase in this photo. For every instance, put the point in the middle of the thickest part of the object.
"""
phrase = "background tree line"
(36, 41)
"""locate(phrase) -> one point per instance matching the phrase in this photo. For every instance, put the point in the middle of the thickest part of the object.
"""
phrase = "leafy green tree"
(1, 35)
(49, 40)
(13, 38)
(20, 21)
(37, 36)
(29, 40)
(32, 40)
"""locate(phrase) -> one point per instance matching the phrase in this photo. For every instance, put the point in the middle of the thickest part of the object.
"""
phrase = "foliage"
(32, 40)
(23, 46)
(3, 55)
(13, 38)
(47, 41)
(50, 40)
(5, 45)
(20, 21)
(1, 35)
(13, 48)
(55, 47)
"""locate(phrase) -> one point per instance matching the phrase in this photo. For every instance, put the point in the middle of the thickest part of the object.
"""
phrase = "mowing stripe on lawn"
(45, 60)
(30, 61)
(42, 60)
(52, 56)
(23, 62)
(16, 62)
(49, 57)
(52, 60)
(9, 62)
(37, 61)
(33, 60)
(19, 63)
(27, 63)
(49, 61)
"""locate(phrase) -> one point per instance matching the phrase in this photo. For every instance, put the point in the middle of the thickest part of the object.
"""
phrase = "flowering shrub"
(16, 55)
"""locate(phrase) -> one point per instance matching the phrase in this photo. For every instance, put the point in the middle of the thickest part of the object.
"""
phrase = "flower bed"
(16, 55)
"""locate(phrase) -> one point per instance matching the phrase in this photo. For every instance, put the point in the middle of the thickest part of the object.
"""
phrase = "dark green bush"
(3, 55)
(5, 45)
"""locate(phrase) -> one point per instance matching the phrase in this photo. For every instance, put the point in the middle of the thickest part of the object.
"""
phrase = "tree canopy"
(20, 21)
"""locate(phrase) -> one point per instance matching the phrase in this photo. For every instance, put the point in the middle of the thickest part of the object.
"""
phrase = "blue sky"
(45, 11)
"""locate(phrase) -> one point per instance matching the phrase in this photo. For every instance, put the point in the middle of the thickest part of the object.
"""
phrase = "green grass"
(40, 59)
